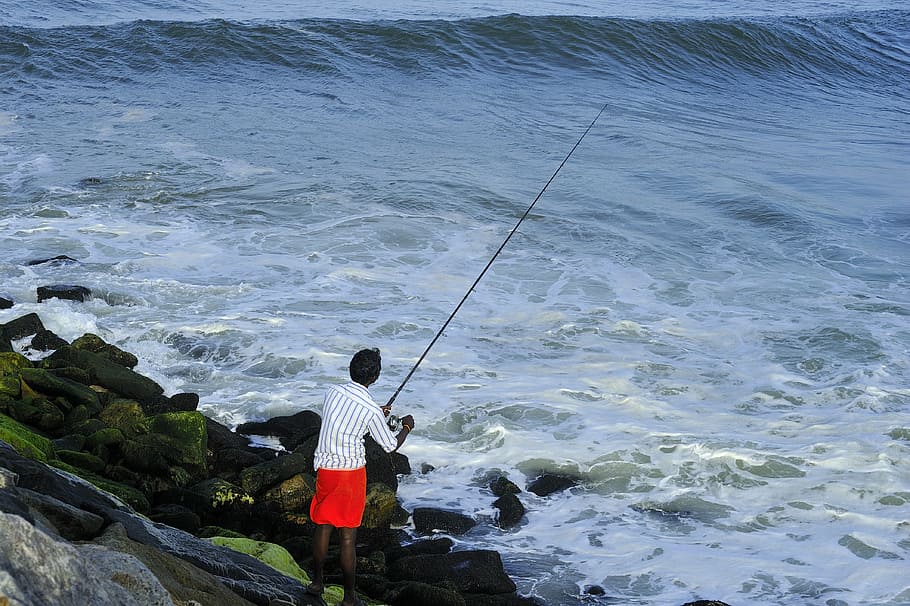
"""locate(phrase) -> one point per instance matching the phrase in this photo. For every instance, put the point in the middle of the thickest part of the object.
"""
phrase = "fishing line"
(493, 258)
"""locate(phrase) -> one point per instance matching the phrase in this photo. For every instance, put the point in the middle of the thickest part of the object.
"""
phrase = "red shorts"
(340, 497)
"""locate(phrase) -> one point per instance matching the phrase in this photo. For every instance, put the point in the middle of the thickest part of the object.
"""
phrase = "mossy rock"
(146, 453)
(207, 532)
(96, 344)
(129, 495)
(125, 415)
(104, 437)
(294, 494)
(11, 365)
(24, 440)
(221, 494)
(381, 505)
(48, 383)
(82, 460)
(39, 413)
(275, 556)
(86, 427)
(188, 438)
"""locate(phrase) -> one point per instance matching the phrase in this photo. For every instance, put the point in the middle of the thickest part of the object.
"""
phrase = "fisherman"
(349, 413)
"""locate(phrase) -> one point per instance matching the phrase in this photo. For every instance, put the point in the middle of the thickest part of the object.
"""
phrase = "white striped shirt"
(348, 414)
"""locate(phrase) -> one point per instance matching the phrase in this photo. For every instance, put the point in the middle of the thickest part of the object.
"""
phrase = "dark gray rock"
(549, 483)
(428, 520)
(23, 326)
(511, 511)
(468, 571)
(63, 291)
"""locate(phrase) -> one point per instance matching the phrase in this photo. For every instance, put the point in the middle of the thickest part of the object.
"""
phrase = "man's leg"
(348, 538)
(320, 553)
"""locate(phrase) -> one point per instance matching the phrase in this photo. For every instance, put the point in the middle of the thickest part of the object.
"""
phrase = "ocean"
(705, 318)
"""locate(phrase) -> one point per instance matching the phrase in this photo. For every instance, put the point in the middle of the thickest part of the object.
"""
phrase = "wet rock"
(429, 520)
(511, 511)
(292, 430)
(23, 326)
(177, 516)
(50, 384)
(468, 571)
(70, 522)
(258, 478)
(501, 486)
(58, 260)
(549, 483)
(108, 374)
(45, 340)
(5, 303)
(63, 291)
(97, 345)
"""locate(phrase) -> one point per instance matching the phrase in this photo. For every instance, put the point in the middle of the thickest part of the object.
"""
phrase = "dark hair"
(365, 366)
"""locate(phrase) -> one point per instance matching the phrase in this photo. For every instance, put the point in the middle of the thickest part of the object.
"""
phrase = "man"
(349, 414)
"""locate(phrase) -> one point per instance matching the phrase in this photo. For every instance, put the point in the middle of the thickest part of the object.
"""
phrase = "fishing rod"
(388, 405)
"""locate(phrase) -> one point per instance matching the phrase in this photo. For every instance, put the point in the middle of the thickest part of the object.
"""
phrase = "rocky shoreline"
(114, 493)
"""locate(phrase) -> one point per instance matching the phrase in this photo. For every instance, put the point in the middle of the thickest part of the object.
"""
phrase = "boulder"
(381, 506)
(511, 511)
(429, 520)
(5, 303)
(95, 344)
(292, 430)
(23, 326)
(58, 260)
(109, 375)
(294, 494)
(42, 570)
(50, 384)
(185, 582)
(478, 571)
(46, 340)
(262, 476)
(549, 483)
(501, 486)
(63, 291)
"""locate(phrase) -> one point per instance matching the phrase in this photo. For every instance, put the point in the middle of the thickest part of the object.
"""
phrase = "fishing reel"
(393, 422)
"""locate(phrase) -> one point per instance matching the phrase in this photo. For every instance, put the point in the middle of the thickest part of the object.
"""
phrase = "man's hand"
(407, 421)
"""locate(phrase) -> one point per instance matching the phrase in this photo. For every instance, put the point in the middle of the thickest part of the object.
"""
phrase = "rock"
(49, 384)
(381, 505)
(549, 483)
(468, 571)
(185, 433)
(72, 523)
(95, 344)
(502, 486)
(125, 416)
(423, 594)
(275, 556)
(63, 291)
(45, 340)
(58, 260)
(432, 546)
(258, 478)
(82, 460)
(177, 516)
(5, 303)
(108, 374)
(294, 494)
(23, 326)
(24, 440)
(706, 603)
(291, 430)
(511, 511)
(185, 582)
(429, 520)
(42, 570)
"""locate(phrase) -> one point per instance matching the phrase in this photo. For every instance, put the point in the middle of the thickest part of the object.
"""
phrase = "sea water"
(705, 318)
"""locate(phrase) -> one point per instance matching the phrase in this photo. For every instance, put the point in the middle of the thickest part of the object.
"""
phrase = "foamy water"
(704, 319)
